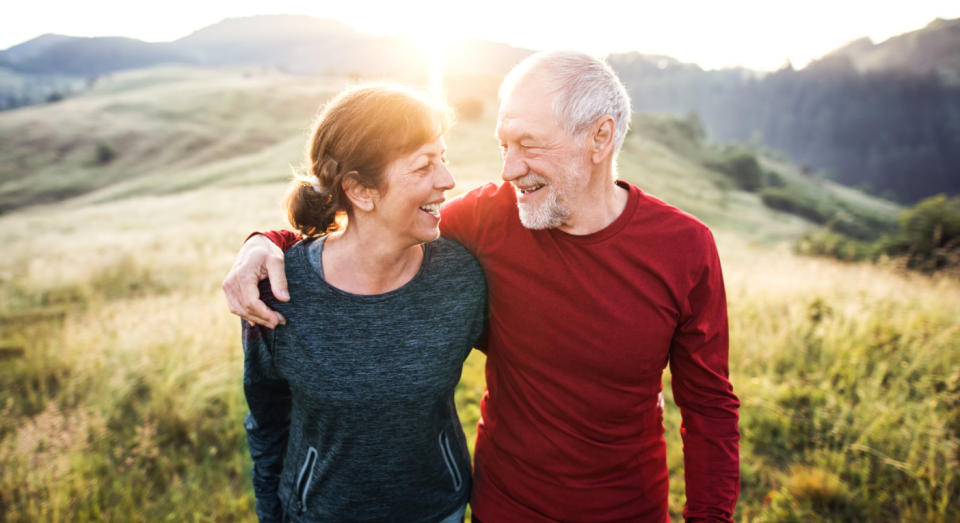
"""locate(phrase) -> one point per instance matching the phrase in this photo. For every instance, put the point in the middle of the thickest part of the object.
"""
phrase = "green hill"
(167, 130)
(124, 208)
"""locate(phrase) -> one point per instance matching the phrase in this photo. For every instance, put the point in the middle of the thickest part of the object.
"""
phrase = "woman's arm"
(268, 424)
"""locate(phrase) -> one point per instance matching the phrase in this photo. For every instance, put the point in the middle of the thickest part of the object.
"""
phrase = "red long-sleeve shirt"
(581, 329)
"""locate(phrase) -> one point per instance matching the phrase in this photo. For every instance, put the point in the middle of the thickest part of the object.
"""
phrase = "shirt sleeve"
(283, 239)
(702, 390)
(463, 220)
(268, 423)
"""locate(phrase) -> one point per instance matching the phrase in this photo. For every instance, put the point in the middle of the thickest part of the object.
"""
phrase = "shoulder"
(681, 226)
(293, 268)
(471, 218)
(489, 194)
(449, 253)
(452, 264)
(483, 200)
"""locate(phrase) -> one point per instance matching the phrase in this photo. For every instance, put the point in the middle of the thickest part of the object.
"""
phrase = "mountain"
(935, 48)
(32, 47)
(297, 44)
(291, 43)
(91, 56)
(51, 66)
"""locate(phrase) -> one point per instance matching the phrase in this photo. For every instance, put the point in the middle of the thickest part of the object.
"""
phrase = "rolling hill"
(165, 130)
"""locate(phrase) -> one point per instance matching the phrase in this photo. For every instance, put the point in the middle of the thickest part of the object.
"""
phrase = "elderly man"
(594, 287)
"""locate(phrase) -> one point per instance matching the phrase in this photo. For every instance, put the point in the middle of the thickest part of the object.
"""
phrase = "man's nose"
(513, 166)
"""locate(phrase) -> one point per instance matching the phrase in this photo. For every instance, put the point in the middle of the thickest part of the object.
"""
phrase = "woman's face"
(409, 202)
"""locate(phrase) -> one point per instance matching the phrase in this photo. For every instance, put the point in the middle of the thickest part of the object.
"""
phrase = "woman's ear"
(363, 198)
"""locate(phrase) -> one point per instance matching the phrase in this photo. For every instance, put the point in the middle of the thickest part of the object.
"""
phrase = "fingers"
(259, 258)
(246, 303)
(278, 278)
(257, 312)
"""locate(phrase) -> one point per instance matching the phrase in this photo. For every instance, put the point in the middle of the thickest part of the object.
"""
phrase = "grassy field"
(122, 367)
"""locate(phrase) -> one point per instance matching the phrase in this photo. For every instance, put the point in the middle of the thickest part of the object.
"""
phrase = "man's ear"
(360, 197)
(601, 138)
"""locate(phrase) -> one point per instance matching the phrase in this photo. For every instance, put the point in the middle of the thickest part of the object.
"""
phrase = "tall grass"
(850, 381)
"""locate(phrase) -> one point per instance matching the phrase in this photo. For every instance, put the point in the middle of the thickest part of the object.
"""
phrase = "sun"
(437, 47)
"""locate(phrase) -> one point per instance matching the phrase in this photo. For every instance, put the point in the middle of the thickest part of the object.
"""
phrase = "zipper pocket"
(449, 460)
(305, 477)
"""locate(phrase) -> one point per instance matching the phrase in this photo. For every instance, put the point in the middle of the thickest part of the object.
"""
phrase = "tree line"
(892, 133)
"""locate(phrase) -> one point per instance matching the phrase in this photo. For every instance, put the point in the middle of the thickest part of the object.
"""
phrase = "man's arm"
(261, 257)
(708, 406)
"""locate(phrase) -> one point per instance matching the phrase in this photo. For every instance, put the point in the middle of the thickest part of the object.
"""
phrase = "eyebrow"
(524, 136)
(429, 156)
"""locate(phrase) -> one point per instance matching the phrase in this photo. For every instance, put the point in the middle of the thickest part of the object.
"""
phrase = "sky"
(758, 34)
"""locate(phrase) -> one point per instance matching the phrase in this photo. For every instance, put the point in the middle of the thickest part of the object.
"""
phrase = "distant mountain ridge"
(935, 48)
(305, 44)
(292, 43)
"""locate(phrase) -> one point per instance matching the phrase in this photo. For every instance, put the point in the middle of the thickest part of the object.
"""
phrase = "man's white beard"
(547, 215)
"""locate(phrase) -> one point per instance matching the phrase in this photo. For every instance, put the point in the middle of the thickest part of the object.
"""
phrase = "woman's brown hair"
(358, 133)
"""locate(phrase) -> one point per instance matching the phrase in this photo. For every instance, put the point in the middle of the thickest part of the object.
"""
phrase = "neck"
(598, 204)
(363, 260)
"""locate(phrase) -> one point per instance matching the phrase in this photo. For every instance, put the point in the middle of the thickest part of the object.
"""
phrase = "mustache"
(529, 179)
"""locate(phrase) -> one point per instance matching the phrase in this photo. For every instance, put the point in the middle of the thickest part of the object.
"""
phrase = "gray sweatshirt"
(352, 415)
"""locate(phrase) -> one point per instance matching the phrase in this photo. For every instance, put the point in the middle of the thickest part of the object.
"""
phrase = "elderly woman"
(352, 414)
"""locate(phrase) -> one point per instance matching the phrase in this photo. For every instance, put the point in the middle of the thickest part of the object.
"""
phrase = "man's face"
(545, 165)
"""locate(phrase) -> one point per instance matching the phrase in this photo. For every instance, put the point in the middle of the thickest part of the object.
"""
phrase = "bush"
(927, 236)
(827, 243)
(795, 201)
(930, 234)
(684, 135)
(105, 153)
(469, 109)
(772, 178)
(741, 167)
(812, 494)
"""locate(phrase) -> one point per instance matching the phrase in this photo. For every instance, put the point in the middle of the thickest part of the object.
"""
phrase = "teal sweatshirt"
(352, 416)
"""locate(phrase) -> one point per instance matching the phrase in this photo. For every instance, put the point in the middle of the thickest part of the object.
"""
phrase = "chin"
(428, 237)
(541, 217)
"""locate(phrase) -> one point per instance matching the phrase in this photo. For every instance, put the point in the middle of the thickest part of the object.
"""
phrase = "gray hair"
(584, 88)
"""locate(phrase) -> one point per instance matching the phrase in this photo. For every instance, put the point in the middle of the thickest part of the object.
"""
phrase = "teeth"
(530, 189)
(431, 208)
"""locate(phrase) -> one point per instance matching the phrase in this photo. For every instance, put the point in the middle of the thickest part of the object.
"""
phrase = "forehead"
(432, 148)
(526, 109)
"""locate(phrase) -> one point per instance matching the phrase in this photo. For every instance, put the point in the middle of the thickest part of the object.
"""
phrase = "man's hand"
(258, 259)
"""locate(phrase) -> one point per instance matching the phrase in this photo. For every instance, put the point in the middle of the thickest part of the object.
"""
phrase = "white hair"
(584, 88)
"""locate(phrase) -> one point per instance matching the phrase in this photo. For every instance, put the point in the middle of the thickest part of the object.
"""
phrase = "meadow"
(121, 366)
